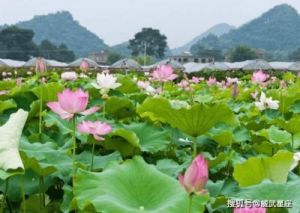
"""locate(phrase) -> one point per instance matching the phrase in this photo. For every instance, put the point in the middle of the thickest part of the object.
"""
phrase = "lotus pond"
(157, 143)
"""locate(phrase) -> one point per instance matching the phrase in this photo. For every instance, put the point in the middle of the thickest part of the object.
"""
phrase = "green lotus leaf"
(31, 180)
(11, 133)
(123, 140)
(193, 121)
(128, 85)
(100, 161)
(151, 138)
(119, 107)
(132, 187)
(292, 125)
(51, 119)
(275, 135)
(257, 169)
(272, 191)
(45, 159)
(49, 91)
(169, 167)
(8, 104)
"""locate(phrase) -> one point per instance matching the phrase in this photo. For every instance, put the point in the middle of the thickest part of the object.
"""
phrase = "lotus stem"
(42, 192)
(103, 109)
(194, 147)
(189, 209)
(74, 150)
(41, 110)
(23, 194)
(4, 196)
(93, 150)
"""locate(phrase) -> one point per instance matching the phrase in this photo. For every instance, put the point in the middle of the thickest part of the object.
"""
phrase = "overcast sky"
(116, 21)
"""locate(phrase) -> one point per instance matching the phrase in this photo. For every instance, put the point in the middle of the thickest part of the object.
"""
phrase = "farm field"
(156, 142)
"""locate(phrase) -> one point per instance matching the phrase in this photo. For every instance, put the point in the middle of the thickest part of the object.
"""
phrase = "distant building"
(186, 57)
(99, 57)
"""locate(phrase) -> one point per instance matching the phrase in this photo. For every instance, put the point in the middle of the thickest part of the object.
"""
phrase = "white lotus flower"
(11, 133)
(265, 103)
(296, 159)
(105, 82)
(69, 76)
(177, 104)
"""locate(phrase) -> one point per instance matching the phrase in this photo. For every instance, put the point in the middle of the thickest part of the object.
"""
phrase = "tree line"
(17, 44)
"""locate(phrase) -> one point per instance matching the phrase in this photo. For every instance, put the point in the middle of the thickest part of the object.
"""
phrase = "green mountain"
(277, 30)
(122, 49)
(216, 30)
(60, 28)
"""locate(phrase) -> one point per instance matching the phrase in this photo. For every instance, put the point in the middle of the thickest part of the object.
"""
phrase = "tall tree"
(242, 53)
(17, 43)
(51, 51)
(149, 40)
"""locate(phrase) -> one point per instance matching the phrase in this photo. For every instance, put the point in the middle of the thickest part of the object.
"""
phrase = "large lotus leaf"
(119, 107)
(272, 191)
(8, 104)
(151, 138)
(31, 180)
(100, 161)
(46, 159)
(275, 135)
(193, 121)
(292, 125)
(128, 85)
(7, 174)
(222, 134)
(132, 187)
(51, 119)
(169, 167)
(123, 140)
(257, 169)
(286, 98)
(49, 91)
(10, 134)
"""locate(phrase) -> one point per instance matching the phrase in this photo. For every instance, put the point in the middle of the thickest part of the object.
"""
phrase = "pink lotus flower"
(273, 79)
(84, 66)
(19, 81)
(259, 77)
(230, 81)
(196, 176)
(250, 210)
(40, 65)
(71, 103)
(195, 80)
(3, 92)
(97, 129)
(211, 81)
(183, 84)
(143, 84)
(164, 73)
(282, 84)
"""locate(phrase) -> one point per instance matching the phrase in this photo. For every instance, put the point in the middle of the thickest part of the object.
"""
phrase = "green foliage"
(242, 53)
(59, 53)
(274, 168)
(150, 39)
(194, 121)
(17, 44)
(133, 186)
(113, 57)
